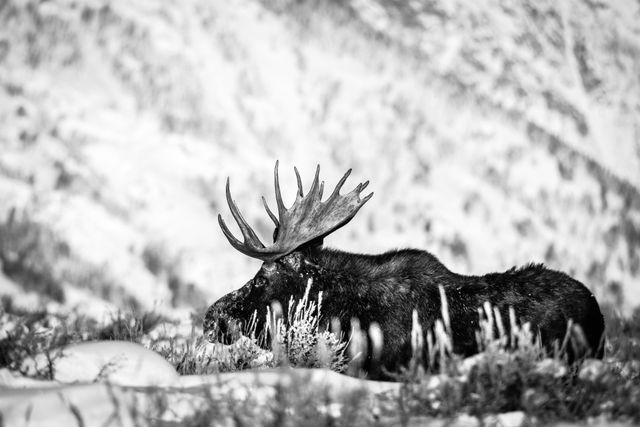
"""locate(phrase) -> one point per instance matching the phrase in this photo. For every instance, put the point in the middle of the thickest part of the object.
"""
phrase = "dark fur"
(386, 288)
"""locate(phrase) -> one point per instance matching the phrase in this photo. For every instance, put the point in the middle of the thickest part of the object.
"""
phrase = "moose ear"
(295, 259)
(314, 247)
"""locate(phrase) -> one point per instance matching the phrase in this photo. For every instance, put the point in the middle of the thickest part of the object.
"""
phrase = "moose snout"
(219, 327)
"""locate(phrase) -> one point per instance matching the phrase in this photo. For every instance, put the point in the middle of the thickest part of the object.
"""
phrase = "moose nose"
(219, 327)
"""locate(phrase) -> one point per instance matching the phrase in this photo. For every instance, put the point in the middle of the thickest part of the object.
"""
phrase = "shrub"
(28, 252)
(301, 343)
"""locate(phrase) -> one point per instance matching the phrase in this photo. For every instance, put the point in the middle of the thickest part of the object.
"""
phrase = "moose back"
(386, 288)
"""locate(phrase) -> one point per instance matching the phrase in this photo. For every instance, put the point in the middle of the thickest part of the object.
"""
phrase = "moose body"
(386, 288)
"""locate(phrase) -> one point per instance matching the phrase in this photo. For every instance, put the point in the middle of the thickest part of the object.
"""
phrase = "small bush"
(155, 259)
(301, 343)
(128, 327)
(28, 252)
(166, 269)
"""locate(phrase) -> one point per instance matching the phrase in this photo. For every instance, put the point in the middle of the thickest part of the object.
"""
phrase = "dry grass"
(512, 373)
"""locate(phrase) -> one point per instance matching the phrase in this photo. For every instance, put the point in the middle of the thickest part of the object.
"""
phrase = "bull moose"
(386, 288)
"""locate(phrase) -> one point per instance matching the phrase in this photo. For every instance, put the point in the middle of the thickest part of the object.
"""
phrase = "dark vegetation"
(34, 257)
(166, 268)
(27, 254)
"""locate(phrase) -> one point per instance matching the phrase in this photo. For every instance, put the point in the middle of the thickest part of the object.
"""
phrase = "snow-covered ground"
(134, 389)
(494, 134)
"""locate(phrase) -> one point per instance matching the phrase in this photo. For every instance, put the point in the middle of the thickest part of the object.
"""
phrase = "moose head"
(290, 261)
(386, 288)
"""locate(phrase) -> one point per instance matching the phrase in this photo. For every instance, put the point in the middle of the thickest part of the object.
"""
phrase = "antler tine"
(271, 215)
(321, 190)
(250, 237)
(359, 188)
(276, 181)
(336, 190)
(300, 192)
(314, 184)
(242, 247)
(230, 237)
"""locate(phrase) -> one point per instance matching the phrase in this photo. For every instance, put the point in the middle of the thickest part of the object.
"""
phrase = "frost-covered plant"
(298, 342)
(301, 342)
(511, 372)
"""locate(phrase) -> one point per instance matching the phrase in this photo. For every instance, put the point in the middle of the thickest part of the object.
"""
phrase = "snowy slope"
(493, 133)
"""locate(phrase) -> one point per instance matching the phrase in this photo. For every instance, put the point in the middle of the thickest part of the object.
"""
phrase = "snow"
(120, 128)
(115, 362)
(95, 381)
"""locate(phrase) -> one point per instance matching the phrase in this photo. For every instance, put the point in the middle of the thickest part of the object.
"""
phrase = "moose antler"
(308, 219)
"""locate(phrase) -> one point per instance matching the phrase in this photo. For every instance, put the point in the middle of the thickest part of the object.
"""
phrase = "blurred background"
(495, 133)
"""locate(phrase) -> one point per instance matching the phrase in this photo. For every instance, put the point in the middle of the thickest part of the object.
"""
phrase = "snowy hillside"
(494, 134)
